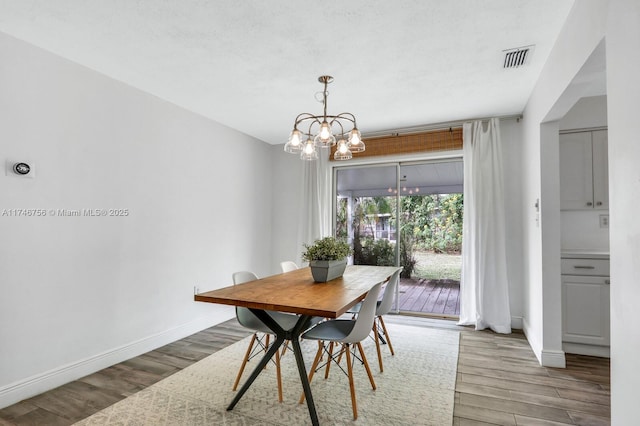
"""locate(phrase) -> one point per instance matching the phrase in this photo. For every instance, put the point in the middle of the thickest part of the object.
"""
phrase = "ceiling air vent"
(517, 57)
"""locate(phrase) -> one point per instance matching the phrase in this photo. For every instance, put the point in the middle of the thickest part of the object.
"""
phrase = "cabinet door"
(585, 309)
(600, 170)
(576, 171)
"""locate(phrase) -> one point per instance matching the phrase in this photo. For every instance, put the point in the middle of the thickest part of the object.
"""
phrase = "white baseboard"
(546, 357)
(516, 323)
(39, 383)
(591, 350)
(553, 359)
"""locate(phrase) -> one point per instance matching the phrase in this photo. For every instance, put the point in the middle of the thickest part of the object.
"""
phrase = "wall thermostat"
(21, 168)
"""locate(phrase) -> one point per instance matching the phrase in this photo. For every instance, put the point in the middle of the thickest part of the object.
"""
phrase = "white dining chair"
(383, 307)
(288, 265)
(349, 333)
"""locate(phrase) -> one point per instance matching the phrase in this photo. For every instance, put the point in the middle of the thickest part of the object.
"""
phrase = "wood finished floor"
(499, 381)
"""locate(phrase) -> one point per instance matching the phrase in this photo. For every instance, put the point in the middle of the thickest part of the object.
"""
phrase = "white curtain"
(315, 207)
(484, 288)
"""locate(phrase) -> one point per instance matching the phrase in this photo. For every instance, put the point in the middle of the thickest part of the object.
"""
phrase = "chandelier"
(324, 131)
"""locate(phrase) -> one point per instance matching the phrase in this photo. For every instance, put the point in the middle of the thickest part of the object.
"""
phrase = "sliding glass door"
(366, 212)
(410, 215)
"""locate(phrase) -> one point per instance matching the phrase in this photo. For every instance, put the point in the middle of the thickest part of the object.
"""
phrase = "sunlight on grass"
(437, 265)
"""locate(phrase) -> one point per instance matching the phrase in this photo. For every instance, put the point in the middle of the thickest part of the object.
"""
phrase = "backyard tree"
(430, 222)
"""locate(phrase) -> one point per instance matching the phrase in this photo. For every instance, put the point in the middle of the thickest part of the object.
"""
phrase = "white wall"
(286, 209)
(510, 132)
(81, 293)
(623, 92)
(581, 228)
(583, 31)
(586, 113)
(552, 353)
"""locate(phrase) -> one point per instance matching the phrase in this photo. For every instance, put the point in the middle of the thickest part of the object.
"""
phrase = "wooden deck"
(436, 297)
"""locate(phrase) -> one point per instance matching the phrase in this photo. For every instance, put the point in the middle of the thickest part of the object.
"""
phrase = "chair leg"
(377, 339)
(244, 361)
(366, 365)
(352, 387)
(326, 372)
(340, 355)
(266, 346)
(278, 376)
(313, 367)
(384, 329)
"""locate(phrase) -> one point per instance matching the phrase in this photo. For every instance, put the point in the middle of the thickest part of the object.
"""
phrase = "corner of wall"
(535, 345)
(546, 358)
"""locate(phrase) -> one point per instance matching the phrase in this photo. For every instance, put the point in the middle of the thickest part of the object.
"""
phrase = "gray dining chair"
(262, 333)
(383, 307)
(349, 333)
(288, 265)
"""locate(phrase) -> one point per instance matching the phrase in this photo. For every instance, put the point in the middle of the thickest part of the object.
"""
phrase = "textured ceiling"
(253, 65)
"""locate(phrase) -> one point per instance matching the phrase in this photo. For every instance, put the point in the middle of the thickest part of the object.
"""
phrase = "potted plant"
(327, 258)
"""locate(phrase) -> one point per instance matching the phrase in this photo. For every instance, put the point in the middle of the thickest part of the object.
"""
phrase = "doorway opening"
(409, 215)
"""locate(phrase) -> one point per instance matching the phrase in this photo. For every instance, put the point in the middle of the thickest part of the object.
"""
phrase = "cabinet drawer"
(598, 267)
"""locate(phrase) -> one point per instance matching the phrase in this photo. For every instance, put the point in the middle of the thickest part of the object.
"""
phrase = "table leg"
(305, 381)
(256, 372)
(281, 335)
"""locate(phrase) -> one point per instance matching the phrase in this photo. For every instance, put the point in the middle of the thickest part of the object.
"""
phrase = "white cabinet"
(586, 310)
(584, 182)
(585, 302)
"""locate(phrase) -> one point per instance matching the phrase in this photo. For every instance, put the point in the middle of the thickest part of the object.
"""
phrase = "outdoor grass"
(437, 266)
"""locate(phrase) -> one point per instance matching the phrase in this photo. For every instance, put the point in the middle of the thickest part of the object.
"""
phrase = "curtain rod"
(435, 126)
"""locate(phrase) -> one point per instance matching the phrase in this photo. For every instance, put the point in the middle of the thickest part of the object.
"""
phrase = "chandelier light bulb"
(295, 138)
(355, 140)
(325, 138)
(355, 136)
(343, 152)
(294, 144)
(309, 152)
(309, 148)
(325, 131)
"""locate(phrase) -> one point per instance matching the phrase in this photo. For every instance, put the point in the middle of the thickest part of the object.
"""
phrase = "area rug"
(416, 387)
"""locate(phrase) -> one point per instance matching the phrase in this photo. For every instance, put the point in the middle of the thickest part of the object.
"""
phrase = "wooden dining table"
(296, 292)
